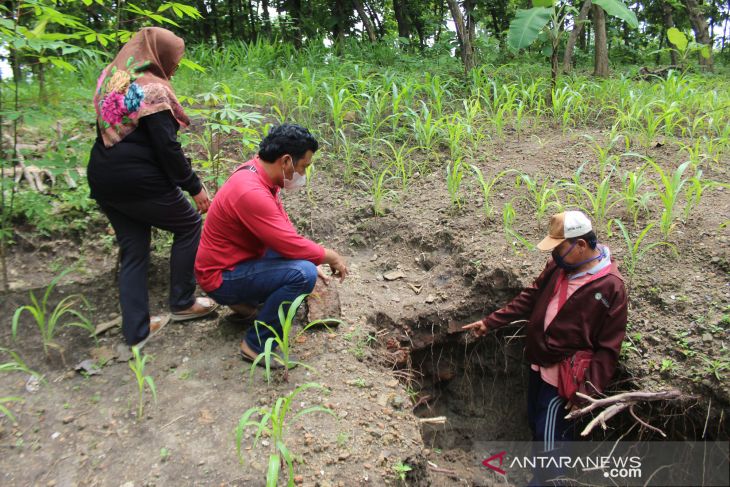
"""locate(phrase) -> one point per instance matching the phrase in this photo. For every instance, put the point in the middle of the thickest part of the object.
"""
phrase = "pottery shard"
(324, 302)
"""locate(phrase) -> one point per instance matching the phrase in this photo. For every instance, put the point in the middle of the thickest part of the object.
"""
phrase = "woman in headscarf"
(137, 173)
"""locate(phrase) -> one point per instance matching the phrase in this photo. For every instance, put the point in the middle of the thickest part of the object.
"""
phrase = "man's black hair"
(589, 237)
(287, 138)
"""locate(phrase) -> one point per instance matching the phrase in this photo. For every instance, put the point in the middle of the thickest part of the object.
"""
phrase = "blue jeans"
(270, 280)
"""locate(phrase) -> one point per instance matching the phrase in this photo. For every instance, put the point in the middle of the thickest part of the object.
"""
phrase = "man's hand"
(336, 263)
(320, 274)
(478, 328)
(202, 201)
(570, 407)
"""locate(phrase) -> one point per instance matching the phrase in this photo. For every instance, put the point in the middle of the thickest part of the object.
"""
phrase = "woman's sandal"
(207, 305)
(249, 356)
(157, 323)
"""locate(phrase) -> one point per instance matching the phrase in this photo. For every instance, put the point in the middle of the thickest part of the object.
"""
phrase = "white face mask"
(296, 182)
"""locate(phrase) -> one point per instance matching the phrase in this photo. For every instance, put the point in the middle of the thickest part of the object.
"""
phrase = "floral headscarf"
(137, 84)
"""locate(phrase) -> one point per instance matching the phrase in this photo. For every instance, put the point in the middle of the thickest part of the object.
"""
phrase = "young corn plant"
(542, 197)
(637, 248)
(278, 347)
(426, 128)
(377, 187)
(347, 154)
(456, 131)
(509, 216)
(373, 116)
(340, 103)
(597, 202)
(454, 175)
(137, 366)
(4, 410)
(404, 166)
(635, 197)
(487, 185)
(274, 422)
(695, 189)
(669, 189)
(437, 93)
(49, 320)
(603, 153)
(15, 364)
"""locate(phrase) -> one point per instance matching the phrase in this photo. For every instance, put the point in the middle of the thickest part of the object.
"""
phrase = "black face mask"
(560, 259)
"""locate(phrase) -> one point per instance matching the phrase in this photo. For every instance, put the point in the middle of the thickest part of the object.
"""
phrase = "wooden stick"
(435, 468)
(435, 420)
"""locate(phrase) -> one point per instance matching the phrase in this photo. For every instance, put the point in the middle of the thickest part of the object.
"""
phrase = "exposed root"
(617, 403)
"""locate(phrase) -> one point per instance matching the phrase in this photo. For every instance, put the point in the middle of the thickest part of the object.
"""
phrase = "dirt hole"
(479, 388)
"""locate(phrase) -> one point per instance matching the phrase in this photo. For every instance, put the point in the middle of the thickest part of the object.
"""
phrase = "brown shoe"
(201, 307)
(248, 355)
(157, 323)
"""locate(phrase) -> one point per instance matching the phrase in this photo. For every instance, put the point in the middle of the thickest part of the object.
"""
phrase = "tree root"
(617, 403)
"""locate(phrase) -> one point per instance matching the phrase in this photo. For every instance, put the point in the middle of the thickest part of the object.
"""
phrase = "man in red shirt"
(250, 253)
(577, 304)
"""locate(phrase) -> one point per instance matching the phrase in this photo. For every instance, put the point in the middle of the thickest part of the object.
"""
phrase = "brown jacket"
(593, 318)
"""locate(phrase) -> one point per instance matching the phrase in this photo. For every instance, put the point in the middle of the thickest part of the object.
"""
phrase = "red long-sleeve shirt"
(245, 219)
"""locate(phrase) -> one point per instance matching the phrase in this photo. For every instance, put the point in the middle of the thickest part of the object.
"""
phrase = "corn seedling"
(636, 248)
(509, 216)
(454, 175)
(137, 366)
(16, 364)
(4, 409)
(426, 128)
(542, 197)
(274, 422)
(280, 340)
(487, 185)
(669, 189)
(377, 187)
(635, 198)
(373, 117)
(437, 93)
(456, 131)
(340, 102)
(695, 152)
(347, 150)
(402, 163)
(694, 190)
(596, 203)
(49, 320)
(603, 153)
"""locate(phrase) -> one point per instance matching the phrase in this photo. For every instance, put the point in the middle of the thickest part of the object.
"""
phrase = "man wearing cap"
(578, 303)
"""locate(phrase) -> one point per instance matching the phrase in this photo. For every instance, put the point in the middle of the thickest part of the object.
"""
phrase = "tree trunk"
(216, 26)
(600, 42)
(668, 24)
(365, 20)
(467, 51)
(295, 12)
(376, 21)
(401, 18)
(338, 27)
(266, 27)
(699, 26)
(204, 25)
(577, 29)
